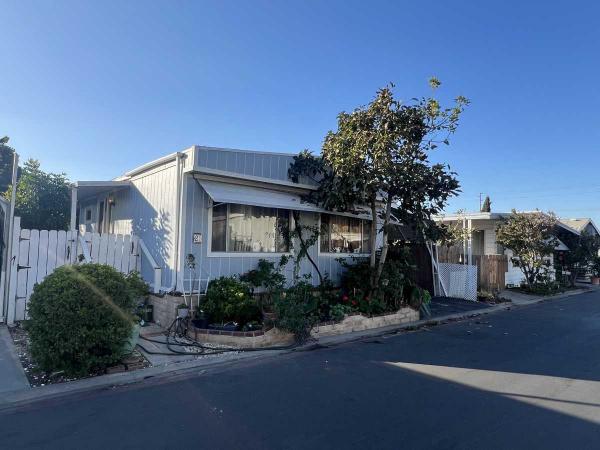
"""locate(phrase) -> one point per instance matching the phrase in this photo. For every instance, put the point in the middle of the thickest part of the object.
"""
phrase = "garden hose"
(205, 350)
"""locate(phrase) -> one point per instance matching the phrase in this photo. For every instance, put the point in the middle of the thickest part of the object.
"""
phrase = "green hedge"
(80, 318)
(229, 300)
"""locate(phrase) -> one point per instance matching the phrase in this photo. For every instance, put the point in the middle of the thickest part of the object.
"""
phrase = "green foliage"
(532, 239)
(370, 155)
(339, 311)
(137, 286)
(6, 164)
(396, 276)
(43, 200)
(583, 250)
(297, 310)
(595, 266)
(228, 300)
(80, 319)
(266, 275)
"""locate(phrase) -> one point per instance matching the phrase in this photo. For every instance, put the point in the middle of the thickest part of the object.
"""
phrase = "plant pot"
(133, 339)
(148, 313)
(596, 280)
(182, 313)
(200, 323)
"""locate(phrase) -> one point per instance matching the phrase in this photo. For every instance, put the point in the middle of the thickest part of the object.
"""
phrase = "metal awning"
(255, 196)
(86, 189)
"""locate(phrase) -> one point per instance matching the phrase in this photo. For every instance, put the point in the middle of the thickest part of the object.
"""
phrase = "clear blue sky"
(96, 88)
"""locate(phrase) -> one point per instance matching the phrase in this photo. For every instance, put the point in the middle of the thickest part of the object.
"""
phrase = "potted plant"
(183, 310)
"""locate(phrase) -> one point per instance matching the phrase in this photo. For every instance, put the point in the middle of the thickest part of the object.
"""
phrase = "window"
(88, 215)
(341, 234)
(249, 229)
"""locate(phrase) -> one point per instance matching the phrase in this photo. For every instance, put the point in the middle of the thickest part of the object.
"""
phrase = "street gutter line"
(186, 369)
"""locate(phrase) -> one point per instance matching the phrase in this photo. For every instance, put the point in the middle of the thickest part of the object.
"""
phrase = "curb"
(29, 395)
(26, 396)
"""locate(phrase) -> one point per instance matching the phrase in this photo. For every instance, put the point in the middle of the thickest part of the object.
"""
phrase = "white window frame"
(343, 254)
(211, 254)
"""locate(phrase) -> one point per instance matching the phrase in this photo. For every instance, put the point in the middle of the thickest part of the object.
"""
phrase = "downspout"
(178, 198)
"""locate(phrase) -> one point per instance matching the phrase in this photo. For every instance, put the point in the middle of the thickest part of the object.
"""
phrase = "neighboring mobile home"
(225, 207)
(480, 233)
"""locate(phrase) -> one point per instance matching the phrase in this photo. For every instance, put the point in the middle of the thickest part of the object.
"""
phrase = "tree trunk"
(298, 227)
(373, 236)
(384, 248)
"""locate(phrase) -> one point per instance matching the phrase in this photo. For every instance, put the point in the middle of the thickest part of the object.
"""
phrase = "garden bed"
(36, 377)
(360, 322)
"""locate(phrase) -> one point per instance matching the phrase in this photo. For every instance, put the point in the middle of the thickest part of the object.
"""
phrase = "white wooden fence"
(37, 253)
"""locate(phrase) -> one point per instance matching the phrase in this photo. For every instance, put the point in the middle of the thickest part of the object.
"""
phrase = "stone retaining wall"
(240, 339)
(358, 322)
(165, 308)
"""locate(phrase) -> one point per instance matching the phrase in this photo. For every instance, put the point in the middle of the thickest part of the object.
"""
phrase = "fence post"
(12, 266)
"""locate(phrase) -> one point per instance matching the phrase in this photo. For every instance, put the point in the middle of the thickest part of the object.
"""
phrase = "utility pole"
(480, 204)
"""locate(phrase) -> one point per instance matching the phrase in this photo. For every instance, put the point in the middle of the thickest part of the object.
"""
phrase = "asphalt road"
(526, 378)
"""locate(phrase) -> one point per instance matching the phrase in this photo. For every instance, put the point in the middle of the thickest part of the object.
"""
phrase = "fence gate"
(459, 280)
(36, 253)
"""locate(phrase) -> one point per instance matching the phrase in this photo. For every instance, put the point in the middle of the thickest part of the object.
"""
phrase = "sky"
(94, 89)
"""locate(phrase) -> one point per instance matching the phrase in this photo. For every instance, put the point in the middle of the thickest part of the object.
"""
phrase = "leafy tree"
(379, 157)
(43, 200)
(531, 237)
(6, 164)
(583, 250)
(487, 204)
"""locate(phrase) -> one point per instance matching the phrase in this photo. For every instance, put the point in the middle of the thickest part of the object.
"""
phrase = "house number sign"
(197, 238)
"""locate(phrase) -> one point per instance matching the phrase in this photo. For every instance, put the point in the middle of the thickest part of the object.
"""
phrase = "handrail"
(157, 269)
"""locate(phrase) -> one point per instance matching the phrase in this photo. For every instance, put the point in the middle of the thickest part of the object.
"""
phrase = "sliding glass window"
(250, 229)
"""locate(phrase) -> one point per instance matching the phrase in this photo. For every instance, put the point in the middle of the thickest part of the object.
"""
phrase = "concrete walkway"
(12, 377)
(519, 298)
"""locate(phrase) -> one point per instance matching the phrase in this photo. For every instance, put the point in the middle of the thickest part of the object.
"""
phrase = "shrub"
(80, 319)
(339, 311)
(267, 276)
(297, 310)
(394, 281)
(228, 299)
(138, 287)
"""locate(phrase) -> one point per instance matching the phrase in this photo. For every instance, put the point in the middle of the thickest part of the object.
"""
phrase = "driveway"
(526, 378)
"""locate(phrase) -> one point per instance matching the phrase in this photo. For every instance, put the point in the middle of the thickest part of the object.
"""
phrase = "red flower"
(354, 303)
(344, 298)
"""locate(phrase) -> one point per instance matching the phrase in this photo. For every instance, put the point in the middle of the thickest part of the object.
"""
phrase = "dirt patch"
(37, 377)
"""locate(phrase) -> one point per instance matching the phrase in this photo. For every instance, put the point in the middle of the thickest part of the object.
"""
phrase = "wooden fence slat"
(61, 248)
(110, 252)
(23, 260)
(34, 245)
(95, 247)
(126, 251)
(14, 260)
(119, 252)
(103, 249)
(133, 254)
(42, 256)
(52, 240)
